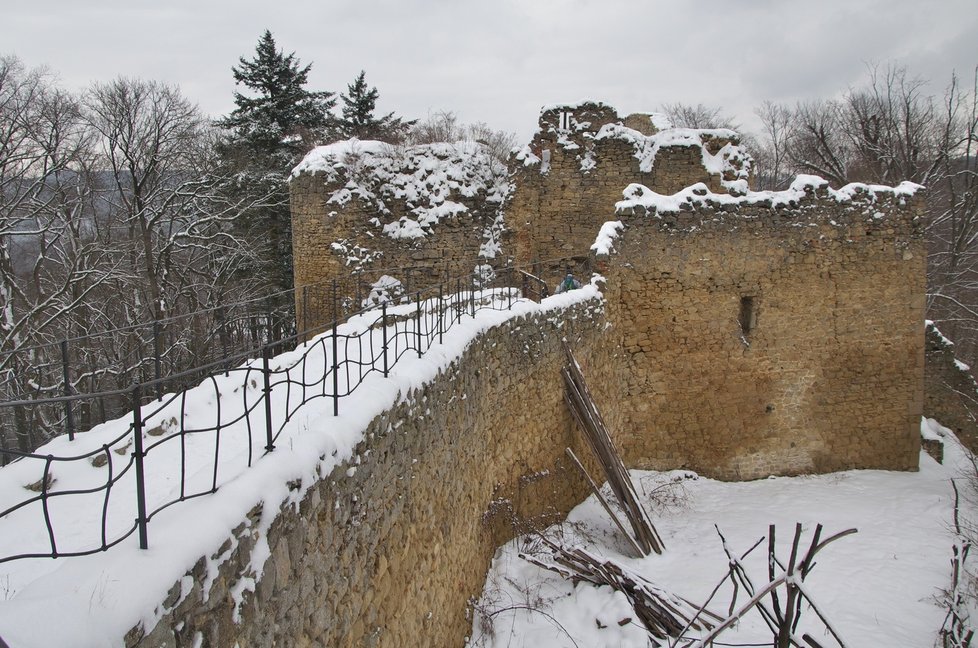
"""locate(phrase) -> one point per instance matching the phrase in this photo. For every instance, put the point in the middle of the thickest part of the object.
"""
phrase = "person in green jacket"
(569, 283)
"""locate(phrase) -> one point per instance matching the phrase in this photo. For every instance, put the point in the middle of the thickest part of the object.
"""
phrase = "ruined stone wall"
(558, 193)
(951, 395)
(342, 214)
(391, 554)
(761, 340)
(828, 378)
(572, 173)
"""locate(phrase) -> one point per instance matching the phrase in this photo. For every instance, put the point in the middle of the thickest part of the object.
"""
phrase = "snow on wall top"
(575, 105)
(578, 128)
(430, 180)
(731, 160)
(641, 199)
(637, 195)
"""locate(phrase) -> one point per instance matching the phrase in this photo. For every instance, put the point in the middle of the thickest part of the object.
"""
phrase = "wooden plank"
(597, 492)
(587, 416)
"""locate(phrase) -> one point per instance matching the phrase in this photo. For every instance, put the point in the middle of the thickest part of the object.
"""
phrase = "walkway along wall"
(389, 551)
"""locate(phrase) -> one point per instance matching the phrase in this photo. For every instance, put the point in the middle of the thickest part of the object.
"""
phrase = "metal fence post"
(223, 334)
(417, 299)
(441, 312)
(472, 300)
(336, 364)
(69, 415)
(305, 313)
(138, 454)
(336, 374)
(383, 328)
(458, 299)
(157, 360)
(266, 376)
(270, 310)
(336, 313)
(509, 290)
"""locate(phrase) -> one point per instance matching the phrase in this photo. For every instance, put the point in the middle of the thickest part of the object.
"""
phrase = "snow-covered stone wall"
(951, 394)
(388, 549)
(568, 178)
(360, 207)
(768, 333)
(757, 332)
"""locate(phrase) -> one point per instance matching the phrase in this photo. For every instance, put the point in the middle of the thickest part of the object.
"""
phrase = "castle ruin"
(753, 333)
(737, 333)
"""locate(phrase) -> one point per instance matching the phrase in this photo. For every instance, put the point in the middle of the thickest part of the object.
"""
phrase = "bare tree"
(114, 217)
(170, 210)
(50, 264)
(444, 126)
(887, 131)
(818, 143)
(953, 223)
(147, 135)
(441, 126)
(771, 154)
(699, 116)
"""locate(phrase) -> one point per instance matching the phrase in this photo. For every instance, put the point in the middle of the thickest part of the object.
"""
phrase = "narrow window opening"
(748, 315)
(565, 120)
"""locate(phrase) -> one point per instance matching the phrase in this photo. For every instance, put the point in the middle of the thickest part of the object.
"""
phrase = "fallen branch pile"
(662, 614)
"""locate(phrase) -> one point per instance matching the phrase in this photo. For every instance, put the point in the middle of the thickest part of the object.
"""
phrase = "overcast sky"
(499, 61)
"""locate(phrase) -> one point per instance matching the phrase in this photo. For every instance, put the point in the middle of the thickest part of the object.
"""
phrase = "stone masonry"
(419, 214)
(756, 339)
(739, 336)
(951, 394)
(391, 555)
(753, 335)
(569, 177)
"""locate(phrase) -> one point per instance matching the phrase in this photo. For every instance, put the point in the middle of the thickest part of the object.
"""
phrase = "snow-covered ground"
(880, 587)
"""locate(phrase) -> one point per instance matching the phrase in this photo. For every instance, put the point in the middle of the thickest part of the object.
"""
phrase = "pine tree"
(267, 134)
(282, 118)
(358, 115)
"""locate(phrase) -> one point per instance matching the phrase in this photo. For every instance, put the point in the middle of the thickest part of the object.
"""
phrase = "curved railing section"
(173, 447)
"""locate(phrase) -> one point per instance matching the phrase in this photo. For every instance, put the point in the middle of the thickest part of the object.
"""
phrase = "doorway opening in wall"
(748, 315)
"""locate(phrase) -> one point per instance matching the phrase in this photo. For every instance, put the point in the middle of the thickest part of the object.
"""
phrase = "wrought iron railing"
(171, 353)
(181, 445)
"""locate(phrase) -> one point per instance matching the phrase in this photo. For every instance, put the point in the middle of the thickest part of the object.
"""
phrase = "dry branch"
(782, 620)
(604, 502)
(662, 614)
